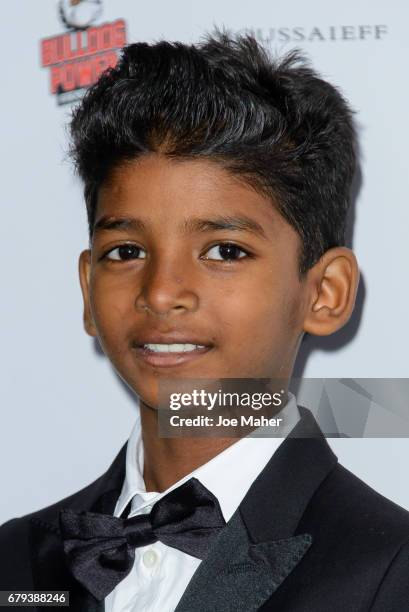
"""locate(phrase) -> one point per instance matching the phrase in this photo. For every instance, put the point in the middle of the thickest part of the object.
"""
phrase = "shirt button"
(149, 558)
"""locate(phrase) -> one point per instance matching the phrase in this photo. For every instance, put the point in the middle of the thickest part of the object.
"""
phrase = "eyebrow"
(193, 225)
(234, 223)
(124, 224)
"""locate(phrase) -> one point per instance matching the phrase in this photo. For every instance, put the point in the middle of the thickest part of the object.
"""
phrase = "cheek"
(260, 324)
(267, 327)
(109, 306)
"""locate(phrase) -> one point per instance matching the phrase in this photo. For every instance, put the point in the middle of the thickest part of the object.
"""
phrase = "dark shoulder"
(346, 505)
(13, 532)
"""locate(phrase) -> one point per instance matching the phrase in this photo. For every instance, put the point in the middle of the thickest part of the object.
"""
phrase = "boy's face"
(164, 276)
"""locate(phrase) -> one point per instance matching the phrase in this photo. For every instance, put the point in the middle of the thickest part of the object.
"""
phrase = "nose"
(167, 288)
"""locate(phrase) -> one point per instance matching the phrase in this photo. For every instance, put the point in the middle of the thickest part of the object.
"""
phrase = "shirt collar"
(228, 475)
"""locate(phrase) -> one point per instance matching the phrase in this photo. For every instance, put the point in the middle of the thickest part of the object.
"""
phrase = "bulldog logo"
(79, 14)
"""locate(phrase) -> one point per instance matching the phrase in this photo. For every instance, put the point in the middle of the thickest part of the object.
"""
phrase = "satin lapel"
(49, 569)
(260, 545)
(240, 576)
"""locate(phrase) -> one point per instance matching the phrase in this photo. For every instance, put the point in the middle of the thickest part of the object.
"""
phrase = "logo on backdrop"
(79, 14)
(318, 34)
(76, 58)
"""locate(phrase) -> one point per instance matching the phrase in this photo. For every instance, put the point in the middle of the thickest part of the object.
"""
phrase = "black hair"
(274, 122)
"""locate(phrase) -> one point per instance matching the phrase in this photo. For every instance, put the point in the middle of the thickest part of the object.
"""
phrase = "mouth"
(170, 354)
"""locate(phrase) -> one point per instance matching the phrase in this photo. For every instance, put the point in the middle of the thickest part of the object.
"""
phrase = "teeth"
(172, 348)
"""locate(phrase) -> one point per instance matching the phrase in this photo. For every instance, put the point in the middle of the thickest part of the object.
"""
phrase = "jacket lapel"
(260, 545)
(49, 569)
(240, 575)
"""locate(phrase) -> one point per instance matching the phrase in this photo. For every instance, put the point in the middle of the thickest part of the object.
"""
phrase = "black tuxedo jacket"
(308, 537)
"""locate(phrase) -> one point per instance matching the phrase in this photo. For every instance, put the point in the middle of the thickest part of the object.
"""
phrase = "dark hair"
(274, 122)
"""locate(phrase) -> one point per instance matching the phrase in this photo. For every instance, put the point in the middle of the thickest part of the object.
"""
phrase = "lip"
(167, 359)
(171, 337)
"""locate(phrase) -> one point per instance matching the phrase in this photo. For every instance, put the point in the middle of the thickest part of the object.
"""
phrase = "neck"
(167, 460)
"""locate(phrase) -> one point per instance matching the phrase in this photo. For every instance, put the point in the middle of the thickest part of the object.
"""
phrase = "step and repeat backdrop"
(64, 411)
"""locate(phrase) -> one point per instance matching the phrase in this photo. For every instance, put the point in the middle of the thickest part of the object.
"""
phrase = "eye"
(125, 252)
(226, 251)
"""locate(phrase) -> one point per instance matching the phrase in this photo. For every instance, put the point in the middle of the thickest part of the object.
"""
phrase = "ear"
(84, 268)
(334, 283)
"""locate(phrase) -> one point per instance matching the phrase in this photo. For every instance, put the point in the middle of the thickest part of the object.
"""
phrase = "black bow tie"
(100, 549)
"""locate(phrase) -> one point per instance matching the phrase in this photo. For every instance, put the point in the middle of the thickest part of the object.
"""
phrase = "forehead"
(162, 190)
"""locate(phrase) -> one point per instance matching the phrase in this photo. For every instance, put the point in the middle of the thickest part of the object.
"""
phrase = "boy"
(217, 186)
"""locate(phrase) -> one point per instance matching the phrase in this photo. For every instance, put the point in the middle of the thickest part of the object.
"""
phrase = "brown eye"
(225, 252)
(125, 252)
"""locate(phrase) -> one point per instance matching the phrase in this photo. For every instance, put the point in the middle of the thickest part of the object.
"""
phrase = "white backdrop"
(57, 392)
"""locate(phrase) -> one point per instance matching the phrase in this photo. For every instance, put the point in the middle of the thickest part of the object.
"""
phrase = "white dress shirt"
(160, 574)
